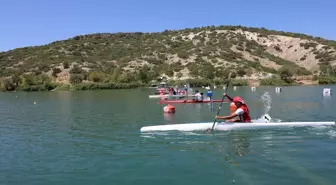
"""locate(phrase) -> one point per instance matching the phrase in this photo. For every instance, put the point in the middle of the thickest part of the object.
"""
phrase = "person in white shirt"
(198, 96)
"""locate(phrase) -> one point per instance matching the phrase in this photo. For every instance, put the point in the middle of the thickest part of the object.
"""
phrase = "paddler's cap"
(238, 99)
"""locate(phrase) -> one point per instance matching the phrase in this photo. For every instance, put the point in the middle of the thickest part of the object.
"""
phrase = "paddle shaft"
(220, 106)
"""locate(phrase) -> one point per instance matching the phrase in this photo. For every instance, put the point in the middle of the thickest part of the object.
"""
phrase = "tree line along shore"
(202, 56)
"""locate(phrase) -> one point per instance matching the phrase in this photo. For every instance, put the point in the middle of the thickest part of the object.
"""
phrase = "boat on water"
(166, 96)
(261, 123)
(171, 92)
(225, 126)
(190, 101)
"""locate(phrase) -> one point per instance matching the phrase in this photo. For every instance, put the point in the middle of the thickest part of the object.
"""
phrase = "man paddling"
(242, 111)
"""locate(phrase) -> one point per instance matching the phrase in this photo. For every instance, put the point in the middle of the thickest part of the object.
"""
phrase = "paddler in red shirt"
(242, 110)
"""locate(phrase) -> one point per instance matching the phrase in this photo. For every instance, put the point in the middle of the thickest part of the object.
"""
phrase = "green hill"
(123, 60)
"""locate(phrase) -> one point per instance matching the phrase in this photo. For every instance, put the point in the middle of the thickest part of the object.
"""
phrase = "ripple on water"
(95, 139)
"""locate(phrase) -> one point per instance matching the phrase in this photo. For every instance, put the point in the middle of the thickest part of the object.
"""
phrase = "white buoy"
(202, 87)
(224, 87)
(215, 87)
(234, 88)
(277, 89)
(207, 88)
(327, 92)
(253, 88)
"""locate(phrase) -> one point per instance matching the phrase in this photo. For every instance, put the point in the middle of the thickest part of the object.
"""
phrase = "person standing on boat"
(198, 96)
(185, 89)
(242, 111)
(173, 91)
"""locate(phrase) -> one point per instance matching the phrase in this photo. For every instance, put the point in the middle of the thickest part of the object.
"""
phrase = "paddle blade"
(267, 118)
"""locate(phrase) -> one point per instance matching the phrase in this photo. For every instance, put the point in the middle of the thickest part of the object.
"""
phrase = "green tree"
(183, 54)
(42, 79)
(7, 84)
(96, 76)
(179, 75)
(16, 79)
(116, 74)
(208, 71)
(76, 78)
(127, 78)
(29, 80)
(241, 72)
(170, 73)
(286, 75)
(144, 74)
(233, 75)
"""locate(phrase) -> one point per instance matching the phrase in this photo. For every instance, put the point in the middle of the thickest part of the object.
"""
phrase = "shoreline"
(124, 86)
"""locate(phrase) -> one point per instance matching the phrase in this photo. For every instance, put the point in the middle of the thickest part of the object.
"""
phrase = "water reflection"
(168, 117)
(233, 145)
(240, 144)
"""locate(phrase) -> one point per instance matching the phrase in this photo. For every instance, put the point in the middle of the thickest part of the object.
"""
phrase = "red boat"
(188, 101)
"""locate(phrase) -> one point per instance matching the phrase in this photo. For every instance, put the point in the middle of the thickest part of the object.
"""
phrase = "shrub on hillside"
(286, 75)
(76, 78)
(43, 67)
(56, 71)
(198, 82)
(65, 65)
(278, 48)
(273, 81)
(241, 72)
(327, 80)
(183, 54)
(308, 45)
(239, 82)
(76, 70)
(96, 76)
(29, 80)
(7, 84)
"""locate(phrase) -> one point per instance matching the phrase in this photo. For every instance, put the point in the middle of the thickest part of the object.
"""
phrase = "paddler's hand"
(224, 94)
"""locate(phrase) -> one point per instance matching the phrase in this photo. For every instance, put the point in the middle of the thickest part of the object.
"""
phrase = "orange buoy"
(169, 109)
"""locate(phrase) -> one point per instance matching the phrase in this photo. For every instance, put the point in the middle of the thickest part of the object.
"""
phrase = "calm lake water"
(94, 137)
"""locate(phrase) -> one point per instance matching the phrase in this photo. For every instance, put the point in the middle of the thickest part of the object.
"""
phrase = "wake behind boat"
(225, 126)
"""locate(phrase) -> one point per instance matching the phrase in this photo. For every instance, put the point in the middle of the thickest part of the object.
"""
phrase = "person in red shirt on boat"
(242, 111)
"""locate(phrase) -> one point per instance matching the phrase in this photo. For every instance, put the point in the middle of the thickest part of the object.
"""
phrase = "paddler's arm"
(228, 97)
(227, 117)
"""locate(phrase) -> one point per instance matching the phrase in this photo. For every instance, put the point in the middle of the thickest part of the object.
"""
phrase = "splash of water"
(267, 100)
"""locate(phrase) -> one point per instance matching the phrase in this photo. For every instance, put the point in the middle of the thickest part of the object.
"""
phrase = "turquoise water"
(93, 137)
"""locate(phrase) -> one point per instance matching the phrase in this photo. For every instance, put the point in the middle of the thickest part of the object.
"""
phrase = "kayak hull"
(224, 126)
(166, 96)
(189, 101)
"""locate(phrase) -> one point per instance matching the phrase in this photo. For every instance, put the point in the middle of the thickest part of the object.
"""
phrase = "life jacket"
(246, 115)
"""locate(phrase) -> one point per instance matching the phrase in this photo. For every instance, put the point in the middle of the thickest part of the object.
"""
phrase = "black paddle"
(220, 106)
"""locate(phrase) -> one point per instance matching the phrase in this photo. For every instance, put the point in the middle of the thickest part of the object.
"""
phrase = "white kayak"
(167, 96)
(224, 126)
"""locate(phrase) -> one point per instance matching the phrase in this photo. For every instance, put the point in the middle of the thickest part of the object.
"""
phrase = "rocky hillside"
(207, 52)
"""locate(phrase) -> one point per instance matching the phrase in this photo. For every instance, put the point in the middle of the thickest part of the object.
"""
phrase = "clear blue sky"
(37, 22)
